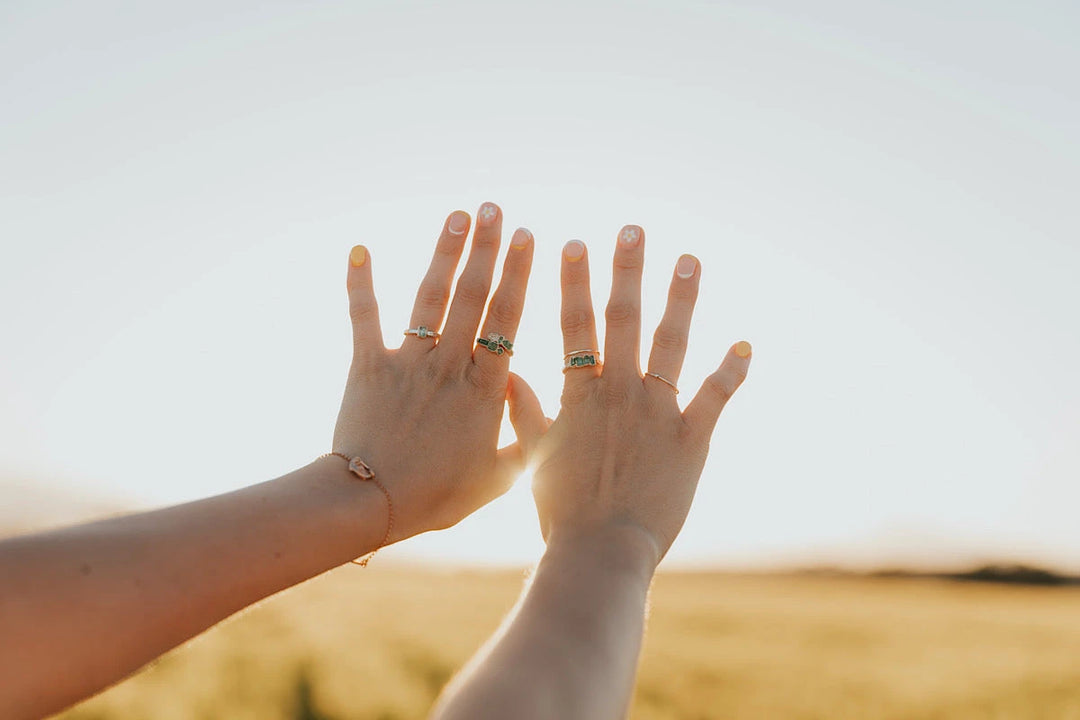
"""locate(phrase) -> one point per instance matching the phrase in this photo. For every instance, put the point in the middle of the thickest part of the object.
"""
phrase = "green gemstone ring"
(497, 344)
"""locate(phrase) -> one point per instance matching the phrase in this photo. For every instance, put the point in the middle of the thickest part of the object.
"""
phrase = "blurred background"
(883, 199)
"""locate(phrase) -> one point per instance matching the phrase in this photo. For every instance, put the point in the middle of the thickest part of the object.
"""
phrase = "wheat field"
(378, 644)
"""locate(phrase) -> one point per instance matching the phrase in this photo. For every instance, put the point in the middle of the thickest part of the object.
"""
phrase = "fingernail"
(574, 250)
(459, 221)
(487, 213)
(521, 239)
(358, 256)
(629, 236)
(742, 349)
(686, 267)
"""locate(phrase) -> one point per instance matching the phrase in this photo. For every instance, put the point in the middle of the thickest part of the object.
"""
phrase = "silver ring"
(580, 359)
(422, 332)
(664, 380)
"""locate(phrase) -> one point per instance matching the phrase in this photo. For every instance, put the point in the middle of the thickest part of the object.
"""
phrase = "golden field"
(378, 644)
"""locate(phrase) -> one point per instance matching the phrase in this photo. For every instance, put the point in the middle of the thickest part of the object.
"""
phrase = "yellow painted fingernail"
(574, 250)
(742, 349)
(358, 256)
(521, 239)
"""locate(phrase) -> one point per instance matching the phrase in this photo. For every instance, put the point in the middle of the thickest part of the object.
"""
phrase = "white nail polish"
(458, 224)
(488, 212)
(629, 236)
(686, 267)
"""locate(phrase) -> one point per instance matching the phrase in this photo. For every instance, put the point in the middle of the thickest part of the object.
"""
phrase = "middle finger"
(473, 286)
(623, 340)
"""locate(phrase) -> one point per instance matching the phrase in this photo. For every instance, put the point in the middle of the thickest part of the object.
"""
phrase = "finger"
(623, 341)
(669, 340)
(434, 291)
(529, 423)
(509, 464)
(504, 310)
(704, 410)
(363, 310)
(474, 284)
(578, 322)
(526, 414)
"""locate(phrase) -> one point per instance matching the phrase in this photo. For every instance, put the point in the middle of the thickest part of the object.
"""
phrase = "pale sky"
(882, 195)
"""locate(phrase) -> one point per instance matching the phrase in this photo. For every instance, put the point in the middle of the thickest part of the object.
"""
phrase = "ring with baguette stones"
(579, 359)
(497, 344)
(422, 332)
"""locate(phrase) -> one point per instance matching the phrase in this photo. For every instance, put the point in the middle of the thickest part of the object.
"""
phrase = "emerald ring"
(579, 359)
(497, 344)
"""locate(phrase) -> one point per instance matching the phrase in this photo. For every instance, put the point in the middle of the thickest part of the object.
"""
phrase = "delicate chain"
(359, 468)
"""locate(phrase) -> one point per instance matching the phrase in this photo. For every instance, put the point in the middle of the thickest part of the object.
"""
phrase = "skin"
(83, 607)
(615, 477)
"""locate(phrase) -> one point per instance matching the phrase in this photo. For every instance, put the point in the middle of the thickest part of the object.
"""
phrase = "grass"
(379, 643)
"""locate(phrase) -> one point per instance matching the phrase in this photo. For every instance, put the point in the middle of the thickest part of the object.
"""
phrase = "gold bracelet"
(362, 470)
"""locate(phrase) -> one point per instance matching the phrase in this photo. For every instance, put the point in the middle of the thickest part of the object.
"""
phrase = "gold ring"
(422, 332)
(579, 359)
(497, 344)
(664, 380)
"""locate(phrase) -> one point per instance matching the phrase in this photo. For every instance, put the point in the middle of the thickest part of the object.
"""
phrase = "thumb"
(529, 423)
(526, 415)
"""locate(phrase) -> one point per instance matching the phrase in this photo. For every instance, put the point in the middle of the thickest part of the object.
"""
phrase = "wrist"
(621, 547)
(354, 509)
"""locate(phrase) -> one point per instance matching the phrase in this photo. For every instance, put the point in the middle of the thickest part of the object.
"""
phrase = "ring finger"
(670, 338)
(578, 321)
(504, 310)
(434, 291)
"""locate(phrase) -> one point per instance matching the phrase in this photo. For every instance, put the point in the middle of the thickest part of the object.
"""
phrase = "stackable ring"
(579, 359)
(421, 332)
(664, 380)
(497, 344)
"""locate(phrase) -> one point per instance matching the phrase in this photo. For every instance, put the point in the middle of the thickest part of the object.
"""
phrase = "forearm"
(571, 649)
(83, 607)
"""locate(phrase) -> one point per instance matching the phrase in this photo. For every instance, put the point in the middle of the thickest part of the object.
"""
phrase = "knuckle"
(683, 292)
(616, 395)
(621, 313)
(484, 377)
(472, 292)
(362, 311)
(449, 246)
(669, 338)
(503, 310)
(432, 296)
(719, 389)
(627, 261)
(486, 240)
(574, 394)
(576, 321)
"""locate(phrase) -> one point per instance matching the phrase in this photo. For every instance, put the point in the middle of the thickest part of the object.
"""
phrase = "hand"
(426, 417)
(621, 455)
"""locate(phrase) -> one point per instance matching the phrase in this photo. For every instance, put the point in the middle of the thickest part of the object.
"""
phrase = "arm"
(570, 648)
(616, 475)
(83, 607)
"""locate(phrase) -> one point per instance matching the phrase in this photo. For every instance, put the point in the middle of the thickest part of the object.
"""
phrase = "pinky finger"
(363, 309)
(704, 410)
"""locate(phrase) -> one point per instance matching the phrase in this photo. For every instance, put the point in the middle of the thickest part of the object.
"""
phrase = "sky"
(882, 197)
